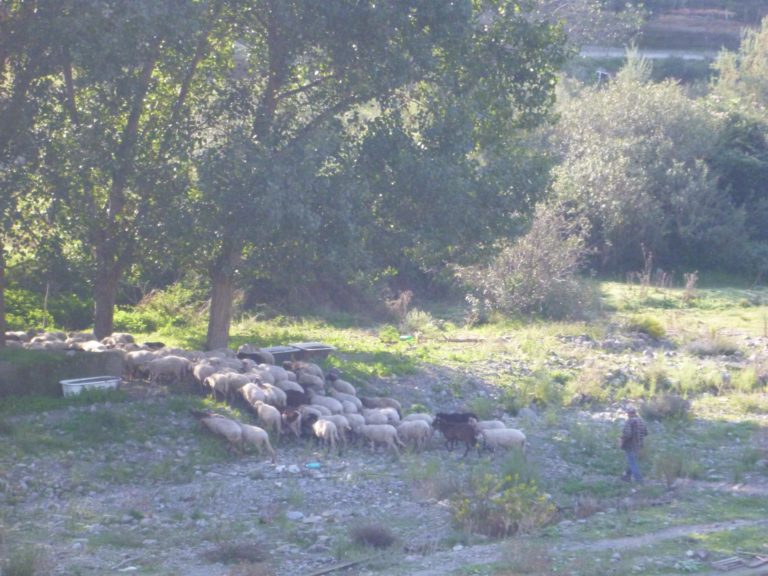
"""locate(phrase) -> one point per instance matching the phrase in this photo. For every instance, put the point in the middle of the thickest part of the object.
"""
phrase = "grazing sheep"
(428, 418)
(237, 434)
(220, 425)
(374, 416)
(269, 416)
(310, 382)
(456, 417)
(490, 424)
(331, 403)
(286, 385)
(356, 422)
(295, 399)
(348, 407)
(136, 362)
(416, 432)
(117, 340)
(273, 395)
(339, 384)
(342, 427)
(382, 434)
(251, 393)
(201, 371)
(381, 402)
(326, 432)
(292, 418)
(171, 369)
(457, 432)
(258, 438)
(305, 367)
(343, 397)
(224, 385)
(503, 438)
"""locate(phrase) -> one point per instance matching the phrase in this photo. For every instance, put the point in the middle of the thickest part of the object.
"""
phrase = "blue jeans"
(633, 467)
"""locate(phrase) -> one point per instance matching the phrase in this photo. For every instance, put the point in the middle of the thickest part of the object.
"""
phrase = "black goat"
(457, 431)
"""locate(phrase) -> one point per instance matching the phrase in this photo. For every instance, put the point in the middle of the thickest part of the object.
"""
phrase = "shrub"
(535, 276)
(714, 345)
(500, 507)
(647, 325)
(672, 464)
(389, 334)
(135, 321)
(664, 407)
(418, 321)
(372, 535)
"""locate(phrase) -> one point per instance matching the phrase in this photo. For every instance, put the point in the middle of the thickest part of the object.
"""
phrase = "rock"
(294, 515)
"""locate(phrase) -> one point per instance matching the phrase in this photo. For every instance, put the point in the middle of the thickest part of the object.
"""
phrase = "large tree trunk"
(222, 273)
(2, 297)
(104, 297)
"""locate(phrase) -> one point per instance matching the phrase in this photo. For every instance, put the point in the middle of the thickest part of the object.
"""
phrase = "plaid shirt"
(634, 432)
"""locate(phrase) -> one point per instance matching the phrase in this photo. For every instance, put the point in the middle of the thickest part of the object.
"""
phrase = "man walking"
(632, 437)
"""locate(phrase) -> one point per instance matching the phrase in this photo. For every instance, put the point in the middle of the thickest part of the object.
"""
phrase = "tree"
(595, 21)
(25, 61)
(634, 163)
(115, 121)
(306, 78)
(742, 77)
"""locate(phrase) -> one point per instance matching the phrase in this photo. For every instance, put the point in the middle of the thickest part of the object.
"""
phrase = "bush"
(500, 507)
(668, 406)
(535, 276)
(673, 464)
(135, 321)
(372, 535)
(647, 325)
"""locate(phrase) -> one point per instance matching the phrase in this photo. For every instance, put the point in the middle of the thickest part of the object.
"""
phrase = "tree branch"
(69, 86)
(306, 87)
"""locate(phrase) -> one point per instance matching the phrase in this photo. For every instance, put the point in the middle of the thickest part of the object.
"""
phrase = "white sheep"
(374, 416)
(258, 438)
(490, 425)
(273, 395)
(382, 434)
(173, 369)
(381, 402)
(326, 432)
(503, 438)
(343, 397)
(269, 416)
(286, 385)
(341, 385)
(389, 413)
(310, 381)
(342, 426)
(428, 418)
(331, 403)
(416, 432)
(348, 407)
(224, 385)
(136, 362)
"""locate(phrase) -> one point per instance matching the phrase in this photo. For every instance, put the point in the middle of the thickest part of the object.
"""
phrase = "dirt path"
(444, 562)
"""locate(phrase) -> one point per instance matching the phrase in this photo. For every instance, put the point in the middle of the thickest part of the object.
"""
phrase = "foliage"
(501, 506)
(671, 464)
(633, 163)
(537, 275)
(647, 325)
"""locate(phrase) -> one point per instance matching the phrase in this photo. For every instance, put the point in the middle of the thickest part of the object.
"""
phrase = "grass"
(541, 362)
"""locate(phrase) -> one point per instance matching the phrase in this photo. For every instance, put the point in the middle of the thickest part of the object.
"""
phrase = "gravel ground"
(156, 505)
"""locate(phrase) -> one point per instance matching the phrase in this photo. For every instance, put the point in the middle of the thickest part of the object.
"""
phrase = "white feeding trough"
(77, 385)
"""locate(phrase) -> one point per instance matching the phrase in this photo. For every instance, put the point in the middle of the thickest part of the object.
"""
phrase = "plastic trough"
(75, 386)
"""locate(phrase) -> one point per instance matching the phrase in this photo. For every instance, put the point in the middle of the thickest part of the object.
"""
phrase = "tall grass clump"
(647, 325)
(666, 407)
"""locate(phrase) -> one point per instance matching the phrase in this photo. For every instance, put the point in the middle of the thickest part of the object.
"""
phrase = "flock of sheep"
(296, 398)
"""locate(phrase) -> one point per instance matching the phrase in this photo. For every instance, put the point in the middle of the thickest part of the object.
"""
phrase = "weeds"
(647, 325)
(500, 507)
(666, 407)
